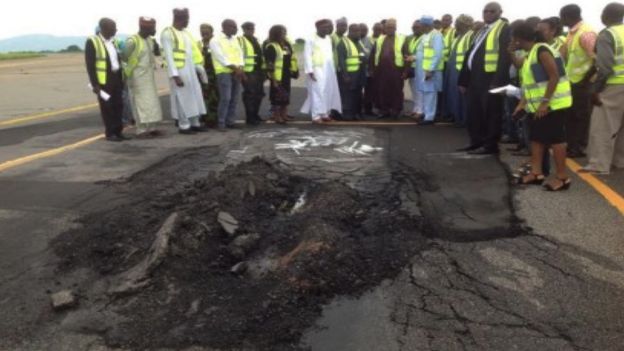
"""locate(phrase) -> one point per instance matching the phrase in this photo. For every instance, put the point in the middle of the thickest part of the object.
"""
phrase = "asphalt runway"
(481, 284)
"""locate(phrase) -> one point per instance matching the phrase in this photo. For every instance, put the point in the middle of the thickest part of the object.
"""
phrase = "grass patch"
(19, 55)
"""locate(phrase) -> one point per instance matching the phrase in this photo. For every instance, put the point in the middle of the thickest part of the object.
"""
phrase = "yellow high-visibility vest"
(133, 60)
(249, 54)
(354, 59)
(558, 43)
(534, 91)
(232, 51)
(492, 46)
(179, 48)
(429, 53)
(449, 37)
(101, 59)
(278, 66)
(412, 45)
(618, 68)
(578, 61)
(294, 62)
(462, 49)
(399, 40)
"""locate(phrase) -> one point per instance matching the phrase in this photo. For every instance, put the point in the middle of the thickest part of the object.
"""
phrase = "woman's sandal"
(565, 185)
(529, 179)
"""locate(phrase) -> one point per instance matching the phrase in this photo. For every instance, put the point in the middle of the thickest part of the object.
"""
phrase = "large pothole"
(243, 259)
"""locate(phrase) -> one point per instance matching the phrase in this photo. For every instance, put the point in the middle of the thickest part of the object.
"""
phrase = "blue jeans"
(229, 91)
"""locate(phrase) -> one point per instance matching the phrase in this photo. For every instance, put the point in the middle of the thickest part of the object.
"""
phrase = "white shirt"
(483, 35)
(112, 53)
(219, 55)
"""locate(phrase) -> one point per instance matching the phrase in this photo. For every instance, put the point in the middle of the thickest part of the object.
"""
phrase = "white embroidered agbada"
(187, 102)
(142, 86)
(323, 95)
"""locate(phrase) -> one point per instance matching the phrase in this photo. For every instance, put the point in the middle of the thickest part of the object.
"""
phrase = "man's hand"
(96, 90)
(178, 81)
(596, 100)
(462, 90)
(519, 110)
(428, 75)
(311, 75)
(542, 110)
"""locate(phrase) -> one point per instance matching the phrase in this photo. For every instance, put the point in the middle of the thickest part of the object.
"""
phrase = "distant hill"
(40, 42)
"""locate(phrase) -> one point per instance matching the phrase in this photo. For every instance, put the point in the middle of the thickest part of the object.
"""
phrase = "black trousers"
(253, 93)
(351, 93)
(577, 121)
(369, 95)
(485, 117)
(112, 110)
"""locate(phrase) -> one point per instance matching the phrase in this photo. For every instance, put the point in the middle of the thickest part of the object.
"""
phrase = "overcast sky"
(65, 17)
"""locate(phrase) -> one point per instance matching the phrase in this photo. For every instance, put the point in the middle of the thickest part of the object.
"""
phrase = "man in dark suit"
(105, 74)
(486, 67)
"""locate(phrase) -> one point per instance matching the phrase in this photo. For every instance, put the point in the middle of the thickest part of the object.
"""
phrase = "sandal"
(565, 185)
(537, 179)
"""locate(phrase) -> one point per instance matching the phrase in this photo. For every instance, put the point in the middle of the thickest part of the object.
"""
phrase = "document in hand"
(509, 90)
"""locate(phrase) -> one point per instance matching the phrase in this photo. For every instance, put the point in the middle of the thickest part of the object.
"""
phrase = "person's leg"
(605, 123)
(559, 154)
(235, 91)
(493, 121)
(115, 90)
(577, 125)
(430, 105)
(224, 82)
(248, 97)
(546, 161)
(259, 96)
(537, 154)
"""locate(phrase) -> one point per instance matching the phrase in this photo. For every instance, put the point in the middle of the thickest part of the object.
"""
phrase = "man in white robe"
(187, 102)
(140, 63)
(321, 80)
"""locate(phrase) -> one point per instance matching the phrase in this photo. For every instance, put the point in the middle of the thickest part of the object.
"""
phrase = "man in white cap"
(322, 83)
(184, 62)
(140, 61)
(429, 67)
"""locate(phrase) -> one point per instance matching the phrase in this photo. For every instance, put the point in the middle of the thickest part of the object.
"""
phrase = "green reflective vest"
(578, 61)
(430, 53)
(336, 39)
(232, 51)
(449, 37)
(354, 57)
(249, 54)
(492, 46)
(133, 59)
(399, 61)
(558, 43)
(101, 59)
(534, 91)
(179, 47)
(465, 41)
(618, 69)
(412, 45)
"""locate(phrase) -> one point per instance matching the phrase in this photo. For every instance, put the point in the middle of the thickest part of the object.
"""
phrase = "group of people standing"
(452, 72)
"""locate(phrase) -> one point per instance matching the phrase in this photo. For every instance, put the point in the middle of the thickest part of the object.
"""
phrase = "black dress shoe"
(200, 129)
(114, 139)
(483, 151)
(187, 132)
(468, 148)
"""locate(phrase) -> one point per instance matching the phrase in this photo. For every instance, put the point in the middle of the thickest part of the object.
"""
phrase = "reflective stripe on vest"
(462, 49)
(101, 59)
(449, 37)
(558, 43)
(398, 50)
(534, 91)
(232, 51)
(618, 68)
(353, 56)
(179, 48)
(579, 62)
(249, 54)
(133, 60)
(492, 46)
(430, 53)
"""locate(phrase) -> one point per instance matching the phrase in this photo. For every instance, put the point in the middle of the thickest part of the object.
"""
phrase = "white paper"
(509, 90)
(104, 95)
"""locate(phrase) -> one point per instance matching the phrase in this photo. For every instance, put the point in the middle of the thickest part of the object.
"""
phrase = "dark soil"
(297, 258)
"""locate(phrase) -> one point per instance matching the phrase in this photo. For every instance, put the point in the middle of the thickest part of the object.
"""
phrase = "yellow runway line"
(611, 195)
(48, 153)
(25, 119)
